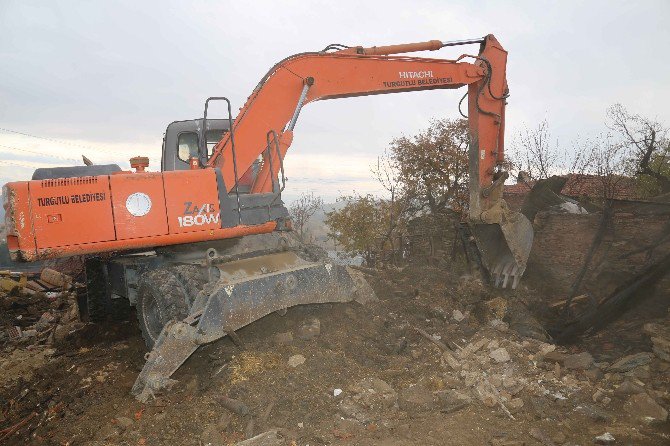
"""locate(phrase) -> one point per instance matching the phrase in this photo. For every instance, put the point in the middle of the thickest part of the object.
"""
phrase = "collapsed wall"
(630, 243)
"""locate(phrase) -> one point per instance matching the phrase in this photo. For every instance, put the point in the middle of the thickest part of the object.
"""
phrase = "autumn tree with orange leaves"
(422, 174)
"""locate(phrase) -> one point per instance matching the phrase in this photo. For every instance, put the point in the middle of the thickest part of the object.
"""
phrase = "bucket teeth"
(504, 248)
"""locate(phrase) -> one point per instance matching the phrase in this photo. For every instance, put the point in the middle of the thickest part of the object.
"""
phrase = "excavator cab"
(181, 141)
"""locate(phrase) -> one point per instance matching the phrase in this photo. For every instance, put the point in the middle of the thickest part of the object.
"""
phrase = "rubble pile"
(660, 338)
(434, 361)
(41, 311)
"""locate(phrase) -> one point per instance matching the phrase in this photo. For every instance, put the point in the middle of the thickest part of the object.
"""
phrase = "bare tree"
(534, 152)
(608, 163)
(400, 205)
(302, 210)
(649, 143)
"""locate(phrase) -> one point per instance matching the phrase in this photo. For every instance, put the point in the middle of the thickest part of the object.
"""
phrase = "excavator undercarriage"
(184, 301)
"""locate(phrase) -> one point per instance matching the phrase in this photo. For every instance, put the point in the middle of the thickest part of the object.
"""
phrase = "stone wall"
(562, 242)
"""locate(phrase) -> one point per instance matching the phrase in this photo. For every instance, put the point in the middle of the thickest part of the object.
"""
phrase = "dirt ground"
(436, 361)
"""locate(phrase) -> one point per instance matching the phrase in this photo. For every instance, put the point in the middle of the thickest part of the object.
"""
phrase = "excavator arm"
(503, 237)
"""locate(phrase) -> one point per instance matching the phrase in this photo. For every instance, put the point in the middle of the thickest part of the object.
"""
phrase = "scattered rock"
(598, 395)
(541, 436)
(375, 392)
(595, 413)
(499, 325)
(515, 404)
(579, 361)
(473, 347)
(643, 406)
(350, 409)
(605, 438)
(283, 338)
(451, 361)
(450, 401)
(124, 422)
(593, 374)
(629, 362)
(660, 338)
(628, 388)
(45, 321)
(370, 397)
(485, 394)
(309, 329)
(457, 315)
(269, 438)
(554, 356)
(415, 398)
(544, 349)
(296, 360)
(500, 355)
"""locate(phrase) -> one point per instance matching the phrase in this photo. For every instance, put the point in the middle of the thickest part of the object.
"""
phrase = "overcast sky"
(105, 78)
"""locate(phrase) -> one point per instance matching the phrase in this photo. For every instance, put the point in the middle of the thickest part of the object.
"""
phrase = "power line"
(67, 143)
(38, 153)
(17, 164)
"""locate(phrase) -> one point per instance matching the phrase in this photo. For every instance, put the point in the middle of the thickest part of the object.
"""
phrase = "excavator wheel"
(161, 297)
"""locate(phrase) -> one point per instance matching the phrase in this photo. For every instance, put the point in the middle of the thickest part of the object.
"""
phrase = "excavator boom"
(503, 238)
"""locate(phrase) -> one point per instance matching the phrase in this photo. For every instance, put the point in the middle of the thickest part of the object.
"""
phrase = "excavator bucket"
(245, 291)
(505, 247)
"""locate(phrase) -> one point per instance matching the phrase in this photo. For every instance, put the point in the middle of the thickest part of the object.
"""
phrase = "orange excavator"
(201, 248)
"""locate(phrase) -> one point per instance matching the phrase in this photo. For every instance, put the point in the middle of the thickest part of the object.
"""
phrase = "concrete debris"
(644, 407)
(473, 347)
(660, 338)
(374, 393)
(605, 438)
(296, 360)
(499, 355)
(499, 325)
(628, 388)
(554, 356)
(579, 361)
(457, 315)
(450, 401)
(541, 436)
(451, 361)
(415, 399)
(629, 362)
(269, 438)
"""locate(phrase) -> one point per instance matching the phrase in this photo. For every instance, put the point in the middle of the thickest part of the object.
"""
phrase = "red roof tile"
(579, 185)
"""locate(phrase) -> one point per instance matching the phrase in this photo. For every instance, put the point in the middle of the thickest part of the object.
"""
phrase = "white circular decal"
(138, 204)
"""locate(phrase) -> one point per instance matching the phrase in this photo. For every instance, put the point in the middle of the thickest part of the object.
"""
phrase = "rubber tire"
(161, 297)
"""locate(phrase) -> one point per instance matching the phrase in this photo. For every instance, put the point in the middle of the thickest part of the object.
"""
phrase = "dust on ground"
(438, 360)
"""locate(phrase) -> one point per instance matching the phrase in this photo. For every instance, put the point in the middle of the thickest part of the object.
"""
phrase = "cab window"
(213, 137)
(187, 146)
